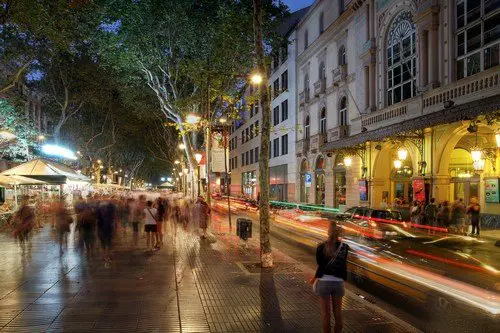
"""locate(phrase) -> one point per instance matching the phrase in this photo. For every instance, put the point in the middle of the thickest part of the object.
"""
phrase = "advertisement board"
(491, 190)
(419, 190)
(363, 190)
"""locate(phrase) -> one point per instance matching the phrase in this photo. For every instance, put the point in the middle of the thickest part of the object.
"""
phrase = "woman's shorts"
(150, 228)
(327, 288)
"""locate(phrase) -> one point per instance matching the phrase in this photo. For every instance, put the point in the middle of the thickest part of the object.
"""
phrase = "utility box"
(244, 228)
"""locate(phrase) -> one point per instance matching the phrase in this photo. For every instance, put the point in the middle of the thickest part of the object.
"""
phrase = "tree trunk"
(265, 243)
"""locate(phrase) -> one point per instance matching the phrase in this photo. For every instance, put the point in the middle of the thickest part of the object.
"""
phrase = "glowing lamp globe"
(476, 154)
(347, 161)
(198, 157)
(398, 164)
(402, 154)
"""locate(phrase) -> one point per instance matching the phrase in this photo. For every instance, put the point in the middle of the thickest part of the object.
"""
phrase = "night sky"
(297, 4)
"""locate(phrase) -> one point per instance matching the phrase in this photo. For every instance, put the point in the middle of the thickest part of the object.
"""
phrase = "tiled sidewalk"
(193, 286)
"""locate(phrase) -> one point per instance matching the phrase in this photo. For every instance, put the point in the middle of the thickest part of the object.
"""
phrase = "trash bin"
(244, 228)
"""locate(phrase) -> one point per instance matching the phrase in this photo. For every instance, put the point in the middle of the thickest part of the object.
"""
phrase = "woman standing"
(203, 212)
(150, 227)
(328, 283)
(473, 211)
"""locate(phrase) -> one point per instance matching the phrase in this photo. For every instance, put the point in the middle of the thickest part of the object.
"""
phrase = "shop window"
(477, 36)
(401, 55)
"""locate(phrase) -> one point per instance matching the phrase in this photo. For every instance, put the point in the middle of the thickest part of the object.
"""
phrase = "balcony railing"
(317, 141)
(339, 73)
(319, 87)
(338, 132)
(481, 85)
(302, 147)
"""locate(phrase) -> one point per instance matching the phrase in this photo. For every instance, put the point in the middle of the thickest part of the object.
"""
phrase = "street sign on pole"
(308, 179)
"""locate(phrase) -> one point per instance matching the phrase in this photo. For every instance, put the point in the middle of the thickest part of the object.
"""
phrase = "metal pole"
(226, 185)
(199, 180)
(208, 146)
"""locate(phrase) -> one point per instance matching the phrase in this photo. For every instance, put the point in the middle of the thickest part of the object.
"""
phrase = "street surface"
(189, 286)
(429, 292)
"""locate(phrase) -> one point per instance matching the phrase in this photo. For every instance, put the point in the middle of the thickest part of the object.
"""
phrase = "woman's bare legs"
(325, 314)
(337, 314)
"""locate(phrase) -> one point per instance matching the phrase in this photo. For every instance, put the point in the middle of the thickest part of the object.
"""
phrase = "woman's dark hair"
(149, 203)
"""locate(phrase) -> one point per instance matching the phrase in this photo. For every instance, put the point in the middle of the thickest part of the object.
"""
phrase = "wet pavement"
(189, 285)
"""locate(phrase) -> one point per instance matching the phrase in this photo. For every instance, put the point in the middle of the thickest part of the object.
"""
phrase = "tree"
(15, 122)
(265, 136)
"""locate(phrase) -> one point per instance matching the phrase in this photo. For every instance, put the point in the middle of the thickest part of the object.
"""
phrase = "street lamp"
(192, 119)
(182, 146)
(223, 120)
(256, 78)
(162, 179)
(186, 171)
(478, 165)
(177, 162)
(402, 154)
(476, 153)
(398, 164)
(198, 157)
(347, 161)
(497, 137)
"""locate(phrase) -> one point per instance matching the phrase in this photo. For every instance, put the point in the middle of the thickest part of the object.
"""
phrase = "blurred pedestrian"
(150, 225)
(328, 282)
(63, 222)
(474, 211)
(202, 214)
(86, 223)
(160, 207)
(430, 212)
(443, 216)
(23, 221)
(458, 216)
(106, 217)
(415, 212)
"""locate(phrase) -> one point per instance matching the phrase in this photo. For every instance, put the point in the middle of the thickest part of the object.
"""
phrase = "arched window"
(322, 121)
(343, 112)
(401, 59)
(307, 128)
(321, 23)
(306, 39)
(322, 70)
(342, 57)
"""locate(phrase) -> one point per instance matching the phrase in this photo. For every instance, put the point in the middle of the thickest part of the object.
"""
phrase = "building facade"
(244, 141)
(398, 101)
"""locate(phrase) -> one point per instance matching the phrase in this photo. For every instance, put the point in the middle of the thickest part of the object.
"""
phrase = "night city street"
(250, 166)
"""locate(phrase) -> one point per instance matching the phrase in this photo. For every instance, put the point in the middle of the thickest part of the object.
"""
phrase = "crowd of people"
(457, 216)
(99, 217)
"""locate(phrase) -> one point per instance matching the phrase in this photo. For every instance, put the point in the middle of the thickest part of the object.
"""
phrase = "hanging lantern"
(497, 137)
(402, 154)
(398, 164)
(347, 161)
(478, 165)
(476, 153)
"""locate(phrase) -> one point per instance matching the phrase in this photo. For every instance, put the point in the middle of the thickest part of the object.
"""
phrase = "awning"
(461, 112)
(46, 171)
(20, 180)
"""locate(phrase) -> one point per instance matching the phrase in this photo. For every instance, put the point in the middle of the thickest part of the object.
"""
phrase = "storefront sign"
(308, 179)
(419, 190)
(363, 190)
(491, 190)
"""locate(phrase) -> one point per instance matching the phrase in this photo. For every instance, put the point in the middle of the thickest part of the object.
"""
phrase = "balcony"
(317, 141)
(320, 87)
(302, 98)
(339, 74)
(338, 132)
(302, 147)
(470, 89)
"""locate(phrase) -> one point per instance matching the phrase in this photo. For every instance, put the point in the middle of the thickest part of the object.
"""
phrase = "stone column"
(441, 187)
(422, 58)
(368, 89)
(433, 53)
(373, 105)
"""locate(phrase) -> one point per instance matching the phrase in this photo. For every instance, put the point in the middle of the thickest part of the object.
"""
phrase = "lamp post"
(198, 157)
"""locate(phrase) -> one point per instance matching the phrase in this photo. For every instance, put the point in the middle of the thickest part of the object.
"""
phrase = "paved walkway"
(189, 286)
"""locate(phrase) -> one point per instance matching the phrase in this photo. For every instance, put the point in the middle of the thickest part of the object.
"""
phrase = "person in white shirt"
(150, 216)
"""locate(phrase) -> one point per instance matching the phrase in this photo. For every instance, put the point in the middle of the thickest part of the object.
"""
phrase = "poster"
(218, 160)
(363, 190)
(491, 190)
(419, 190)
